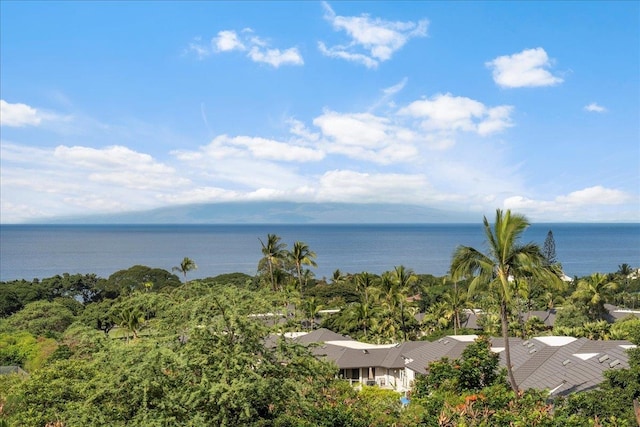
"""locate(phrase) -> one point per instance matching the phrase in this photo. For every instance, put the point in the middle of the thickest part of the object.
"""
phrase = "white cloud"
(18, 115)
(358, 187)
(525, 69)
(597, 195)
(372, 40)
(266, 149)
(71, 180)
(198, 48)
(387, 95)
(226, 41)
(298, 128)
(257, 49)
(341, 53)
(392, 90)
(448, 113)
(577, 205)
(595, 108)
(366, 136)
(276, 57)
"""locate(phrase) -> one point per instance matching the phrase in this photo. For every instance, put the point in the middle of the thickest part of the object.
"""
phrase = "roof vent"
(603, 358)
(446, 342)
(614, 363)
(566, 362)
(365, 351)
(525, 342)
(530, 345)
(533, 350)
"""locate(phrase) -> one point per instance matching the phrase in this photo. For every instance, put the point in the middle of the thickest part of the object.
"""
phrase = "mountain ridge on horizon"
(274, 213)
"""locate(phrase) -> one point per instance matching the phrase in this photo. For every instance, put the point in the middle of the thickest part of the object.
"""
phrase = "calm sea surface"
(40, 251)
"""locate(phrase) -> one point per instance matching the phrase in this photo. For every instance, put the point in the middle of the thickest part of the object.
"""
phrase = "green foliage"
(41, 318)
(475, 369)
(549, 248)
(201, 358)
(25, 350)
(135, 278)
(344, 291)
(220, 373)
(98, 315)
(571, 315)
(240, 280)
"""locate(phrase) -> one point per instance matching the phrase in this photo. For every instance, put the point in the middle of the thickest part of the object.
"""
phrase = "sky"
(111, 107)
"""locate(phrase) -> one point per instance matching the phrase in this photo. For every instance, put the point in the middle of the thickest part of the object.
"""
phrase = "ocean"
(40, 251)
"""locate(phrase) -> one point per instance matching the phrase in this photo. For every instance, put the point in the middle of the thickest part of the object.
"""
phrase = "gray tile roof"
(561, 365)
(419, 358)
(321, 335)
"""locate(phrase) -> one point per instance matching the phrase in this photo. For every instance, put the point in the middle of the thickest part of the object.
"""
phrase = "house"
(360, 363)
(616, 313)
(561, 365)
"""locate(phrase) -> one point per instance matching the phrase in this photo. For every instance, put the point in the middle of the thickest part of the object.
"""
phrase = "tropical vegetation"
(145, 348)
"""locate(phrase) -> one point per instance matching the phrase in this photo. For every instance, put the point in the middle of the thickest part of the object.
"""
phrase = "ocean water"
(40, 251)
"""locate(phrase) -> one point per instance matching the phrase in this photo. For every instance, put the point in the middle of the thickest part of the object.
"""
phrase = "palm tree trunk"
(507, 350)
(456, 322)
(404, 329)
(298, 267)
(273, 282)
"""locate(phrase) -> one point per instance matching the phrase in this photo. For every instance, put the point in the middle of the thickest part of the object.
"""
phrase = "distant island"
(276, 213)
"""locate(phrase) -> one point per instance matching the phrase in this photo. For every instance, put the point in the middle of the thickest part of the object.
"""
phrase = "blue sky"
(467, 106)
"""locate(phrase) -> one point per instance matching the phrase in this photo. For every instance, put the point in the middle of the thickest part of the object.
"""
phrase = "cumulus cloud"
(595, 108)
(577, 204)
(257, 49)
(528, 68)
(18, 115)
(446, 114)
(226, 41)
(252, 163)
(371, 40)
(366, 136)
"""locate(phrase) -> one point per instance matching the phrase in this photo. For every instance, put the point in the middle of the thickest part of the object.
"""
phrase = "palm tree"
(455, 301)
(274, 253)
(311, 308)
(403, 279)
(129, 318)
(360, 315)
(498, 269)
(185, 266)
(302, 255)
(363, 280)
(595, 290)
(624, 270)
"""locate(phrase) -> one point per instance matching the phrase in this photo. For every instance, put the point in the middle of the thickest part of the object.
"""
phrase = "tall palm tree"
(302, 255)
(403, 280)
(500, 267)
(274, 253)
(185, 266)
